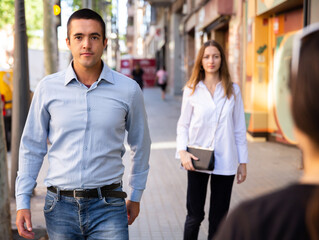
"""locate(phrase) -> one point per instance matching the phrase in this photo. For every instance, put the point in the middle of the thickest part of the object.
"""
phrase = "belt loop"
(58, 193)
(99, 193)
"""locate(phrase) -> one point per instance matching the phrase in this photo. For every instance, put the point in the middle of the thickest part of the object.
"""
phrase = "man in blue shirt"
(84, 112)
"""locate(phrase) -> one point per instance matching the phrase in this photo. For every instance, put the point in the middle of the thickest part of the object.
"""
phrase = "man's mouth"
(86, 54)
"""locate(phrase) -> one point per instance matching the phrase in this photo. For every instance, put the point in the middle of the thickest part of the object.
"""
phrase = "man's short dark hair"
(86, 13)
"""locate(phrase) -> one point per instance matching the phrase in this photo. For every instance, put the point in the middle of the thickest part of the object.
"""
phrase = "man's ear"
(105, 43)
(67, 40)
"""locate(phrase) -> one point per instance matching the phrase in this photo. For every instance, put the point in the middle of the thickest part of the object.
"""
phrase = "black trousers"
(221, 188)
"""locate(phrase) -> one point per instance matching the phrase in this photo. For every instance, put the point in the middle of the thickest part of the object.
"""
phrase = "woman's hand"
(241, 173)
(186, 160)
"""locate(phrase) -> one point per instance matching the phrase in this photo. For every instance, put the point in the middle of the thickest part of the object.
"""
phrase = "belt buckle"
(78, 190)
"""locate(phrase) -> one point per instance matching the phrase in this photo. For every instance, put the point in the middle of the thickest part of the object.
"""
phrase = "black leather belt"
(106, 191)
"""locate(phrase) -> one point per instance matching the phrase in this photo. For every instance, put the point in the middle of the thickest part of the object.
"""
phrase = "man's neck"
(87, 76)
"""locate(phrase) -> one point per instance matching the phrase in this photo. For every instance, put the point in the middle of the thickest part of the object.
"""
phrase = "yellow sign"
(56, 10)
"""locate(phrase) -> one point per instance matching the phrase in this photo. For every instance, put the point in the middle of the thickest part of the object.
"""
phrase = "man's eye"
(94, 38)
(78, 38)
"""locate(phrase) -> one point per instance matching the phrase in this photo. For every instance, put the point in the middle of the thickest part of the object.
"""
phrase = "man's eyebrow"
(91, 34)
(94, 34)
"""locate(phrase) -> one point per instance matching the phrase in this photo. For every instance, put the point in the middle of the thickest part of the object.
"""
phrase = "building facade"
(257, 37)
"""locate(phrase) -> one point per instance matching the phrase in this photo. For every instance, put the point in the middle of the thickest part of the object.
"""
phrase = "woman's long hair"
(198, 72)
(304, 87)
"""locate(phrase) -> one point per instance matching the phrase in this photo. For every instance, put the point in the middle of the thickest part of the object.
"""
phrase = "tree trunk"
(21, 92)
(50, 38)
(5, 218)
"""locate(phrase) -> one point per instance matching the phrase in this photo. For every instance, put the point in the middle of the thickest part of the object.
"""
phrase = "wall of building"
(256, 36)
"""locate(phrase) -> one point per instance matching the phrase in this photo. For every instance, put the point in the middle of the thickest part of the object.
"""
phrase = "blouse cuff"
(242, 153)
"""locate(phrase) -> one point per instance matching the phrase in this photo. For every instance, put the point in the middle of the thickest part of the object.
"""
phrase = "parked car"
(6, 86)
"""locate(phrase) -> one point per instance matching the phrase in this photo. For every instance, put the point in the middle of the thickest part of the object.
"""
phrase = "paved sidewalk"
(163, 207)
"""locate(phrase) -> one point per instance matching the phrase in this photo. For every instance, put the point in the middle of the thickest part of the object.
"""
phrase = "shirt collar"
(202, 84)
(105, 75)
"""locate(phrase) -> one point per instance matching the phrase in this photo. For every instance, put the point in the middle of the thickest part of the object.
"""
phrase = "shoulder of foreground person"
(277, 215)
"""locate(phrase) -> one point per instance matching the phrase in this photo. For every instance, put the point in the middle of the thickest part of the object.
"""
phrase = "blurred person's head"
(137, 66)
(304, 86)
(199, 71)
(86, 13)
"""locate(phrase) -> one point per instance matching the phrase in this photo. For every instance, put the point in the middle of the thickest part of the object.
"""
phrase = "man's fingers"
(133, 209)
(131, 219)
(20, 227)
(26, 234)
(28, 224)
(23, 232)
(24, 224)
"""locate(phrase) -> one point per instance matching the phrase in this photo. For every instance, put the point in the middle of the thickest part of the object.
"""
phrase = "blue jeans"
(69, 218)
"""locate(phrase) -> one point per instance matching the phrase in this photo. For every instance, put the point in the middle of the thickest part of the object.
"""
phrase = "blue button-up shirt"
(86, 127)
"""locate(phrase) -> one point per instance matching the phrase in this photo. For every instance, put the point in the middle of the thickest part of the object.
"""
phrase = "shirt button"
(89, 109)
(86, 148)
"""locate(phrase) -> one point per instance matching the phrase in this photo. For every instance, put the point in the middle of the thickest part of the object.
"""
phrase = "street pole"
(5, 218)
(21, 88)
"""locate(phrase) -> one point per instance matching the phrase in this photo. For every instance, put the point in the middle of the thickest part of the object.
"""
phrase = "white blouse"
(198, 120)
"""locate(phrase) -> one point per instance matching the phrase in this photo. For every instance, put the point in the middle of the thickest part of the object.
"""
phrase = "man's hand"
(24, 217)
(133, 209)
(241, 173)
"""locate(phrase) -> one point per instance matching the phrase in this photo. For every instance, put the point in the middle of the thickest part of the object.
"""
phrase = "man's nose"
(86, 43)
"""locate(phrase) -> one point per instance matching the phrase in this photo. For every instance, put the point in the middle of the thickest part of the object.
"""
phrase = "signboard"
(126, 67)
(148, 66)
(266, 5)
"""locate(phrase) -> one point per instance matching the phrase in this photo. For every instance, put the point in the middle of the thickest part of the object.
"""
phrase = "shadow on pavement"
(40, 234)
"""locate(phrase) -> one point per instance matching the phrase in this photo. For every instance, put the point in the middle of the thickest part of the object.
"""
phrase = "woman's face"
(211, 60)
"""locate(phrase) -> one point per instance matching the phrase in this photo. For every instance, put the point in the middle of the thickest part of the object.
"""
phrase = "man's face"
(86, 42)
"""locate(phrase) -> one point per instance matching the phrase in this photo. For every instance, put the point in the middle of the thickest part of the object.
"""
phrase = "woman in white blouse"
(208, 94)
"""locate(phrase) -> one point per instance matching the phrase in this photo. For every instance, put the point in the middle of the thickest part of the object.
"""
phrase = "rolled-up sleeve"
(33, 147)
(240, 127)
(139, 141)
(184, 122)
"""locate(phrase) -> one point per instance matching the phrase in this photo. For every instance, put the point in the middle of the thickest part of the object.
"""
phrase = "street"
(163, 207)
